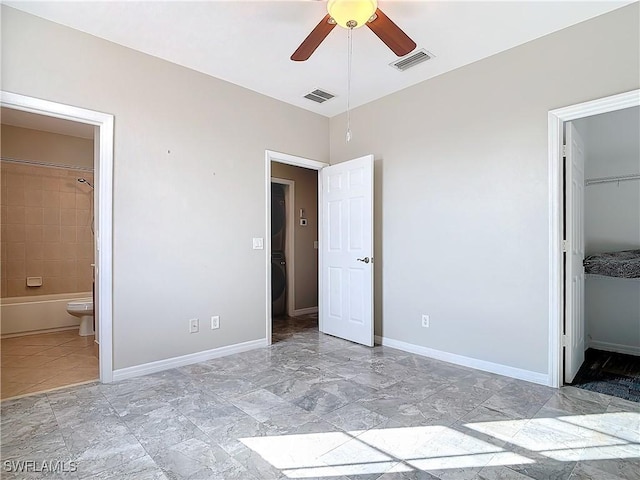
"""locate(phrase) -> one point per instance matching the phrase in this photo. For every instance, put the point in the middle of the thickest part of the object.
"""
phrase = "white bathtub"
(42, 313)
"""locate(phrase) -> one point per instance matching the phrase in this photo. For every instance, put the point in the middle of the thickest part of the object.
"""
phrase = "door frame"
(273, 156)
(556, 120)
(289, 246)
(103, 166)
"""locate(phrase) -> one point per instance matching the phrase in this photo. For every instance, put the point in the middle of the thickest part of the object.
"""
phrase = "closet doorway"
(598, 292)
(611, 253)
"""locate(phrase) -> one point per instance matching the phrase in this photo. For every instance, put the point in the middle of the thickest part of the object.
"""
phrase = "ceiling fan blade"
(315, 38)
(391, 34)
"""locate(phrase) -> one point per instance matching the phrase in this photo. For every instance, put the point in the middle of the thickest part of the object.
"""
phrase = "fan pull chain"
(349, 55)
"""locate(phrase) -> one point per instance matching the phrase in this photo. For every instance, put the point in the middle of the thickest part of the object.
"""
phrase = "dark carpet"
(610, 373)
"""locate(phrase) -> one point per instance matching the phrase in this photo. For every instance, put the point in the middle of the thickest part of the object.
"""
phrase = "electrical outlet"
(258, 243)
(194, 325)
(215, 322)
(425, 321)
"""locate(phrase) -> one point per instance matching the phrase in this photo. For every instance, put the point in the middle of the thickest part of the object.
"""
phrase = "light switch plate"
(258, 243)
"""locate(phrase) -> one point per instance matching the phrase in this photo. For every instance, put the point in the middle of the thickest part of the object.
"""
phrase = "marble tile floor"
(312, 406)
(38, 363)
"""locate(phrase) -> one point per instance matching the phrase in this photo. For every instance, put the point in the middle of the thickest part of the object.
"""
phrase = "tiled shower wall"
(46, 230)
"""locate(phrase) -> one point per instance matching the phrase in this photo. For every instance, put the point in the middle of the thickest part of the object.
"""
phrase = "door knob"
(365, 259)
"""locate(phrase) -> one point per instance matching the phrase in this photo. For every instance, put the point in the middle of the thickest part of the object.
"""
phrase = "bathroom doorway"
(49, 251)
(101, 125)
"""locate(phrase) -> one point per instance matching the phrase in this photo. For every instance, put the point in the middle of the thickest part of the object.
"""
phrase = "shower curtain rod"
(620, 178)
(45, 164)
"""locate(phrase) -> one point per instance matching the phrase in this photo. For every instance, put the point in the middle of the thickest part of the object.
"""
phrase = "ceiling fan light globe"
(348, 12)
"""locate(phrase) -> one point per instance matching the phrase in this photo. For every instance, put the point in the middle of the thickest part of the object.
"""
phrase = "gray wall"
(189, 162)
(462, 225)
(306, 261)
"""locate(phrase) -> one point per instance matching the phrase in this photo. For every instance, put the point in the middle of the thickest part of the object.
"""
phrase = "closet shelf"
(625, 264)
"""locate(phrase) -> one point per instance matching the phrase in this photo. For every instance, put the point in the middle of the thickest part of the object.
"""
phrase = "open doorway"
(48, 248)
(587, 222)
(294, 250)
(102, 125)
(345, 247)
(298, 245)
(610, 257)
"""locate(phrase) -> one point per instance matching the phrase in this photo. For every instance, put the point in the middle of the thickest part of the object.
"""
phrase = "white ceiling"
(249, 42)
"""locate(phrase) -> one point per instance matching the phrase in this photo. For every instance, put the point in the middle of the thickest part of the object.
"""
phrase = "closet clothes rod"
(620, 178)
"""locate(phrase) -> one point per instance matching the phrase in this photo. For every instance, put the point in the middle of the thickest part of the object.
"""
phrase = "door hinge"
(563, 340)
(564, 151)
(565, 245)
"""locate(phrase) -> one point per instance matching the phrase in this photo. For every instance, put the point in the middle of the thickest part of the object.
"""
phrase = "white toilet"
(83, 309)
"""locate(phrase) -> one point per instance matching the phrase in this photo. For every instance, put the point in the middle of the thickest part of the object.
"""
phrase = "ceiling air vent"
(412, 60)
(319, 96)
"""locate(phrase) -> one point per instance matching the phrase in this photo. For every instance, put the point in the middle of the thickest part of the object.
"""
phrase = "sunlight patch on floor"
(376, 451)
(355, 468)
(570, 433)
(296, 451)
(594, 453)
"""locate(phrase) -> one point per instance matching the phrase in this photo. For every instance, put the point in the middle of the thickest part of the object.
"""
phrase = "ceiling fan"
(354, 14)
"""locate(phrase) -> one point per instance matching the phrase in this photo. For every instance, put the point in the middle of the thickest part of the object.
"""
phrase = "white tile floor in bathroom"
(315, 407)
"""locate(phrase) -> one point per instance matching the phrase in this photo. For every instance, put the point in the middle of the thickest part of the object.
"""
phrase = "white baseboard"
(160, 365)
(614, 347)
(513, 372)
(305, 311)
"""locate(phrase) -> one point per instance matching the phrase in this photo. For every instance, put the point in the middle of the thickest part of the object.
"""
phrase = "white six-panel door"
(346, 250)
(574, 287)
